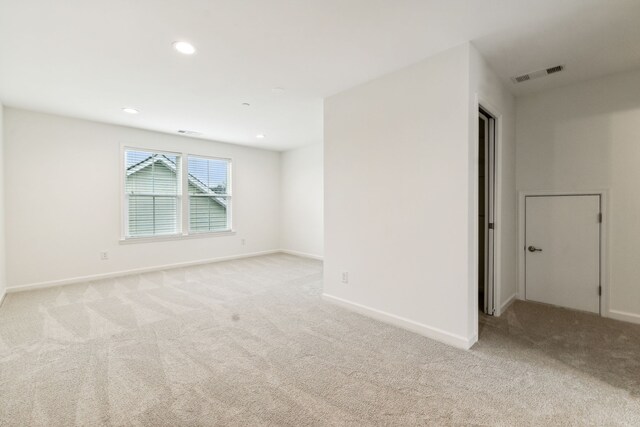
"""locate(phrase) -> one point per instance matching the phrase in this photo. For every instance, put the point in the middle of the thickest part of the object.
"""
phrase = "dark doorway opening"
(486, 211)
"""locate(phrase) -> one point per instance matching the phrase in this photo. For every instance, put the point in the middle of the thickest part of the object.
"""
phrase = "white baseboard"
(301, 254)
(401, 322)
(506, 304)
(81, 279)
(624, 316)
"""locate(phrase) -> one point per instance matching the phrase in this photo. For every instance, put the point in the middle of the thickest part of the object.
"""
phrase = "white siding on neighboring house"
(206, 213)
(152, 197)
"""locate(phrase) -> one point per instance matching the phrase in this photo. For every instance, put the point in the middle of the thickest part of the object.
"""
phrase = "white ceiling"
(90, 58)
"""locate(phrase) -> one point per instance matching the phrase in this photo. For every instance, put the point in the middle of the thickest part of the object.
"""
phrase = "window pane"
(152, 215)
(207, 213)
(208, 194)
(152, 173)
(208, 175)
(152, 185)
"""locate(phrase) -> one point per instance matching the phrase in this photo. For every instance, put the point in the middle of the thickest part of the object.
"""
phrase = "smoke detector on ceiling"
(537, 74)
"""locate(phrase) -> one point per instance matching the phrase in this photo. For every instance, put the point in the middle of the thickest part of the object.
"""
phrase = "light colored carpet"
(250, 342)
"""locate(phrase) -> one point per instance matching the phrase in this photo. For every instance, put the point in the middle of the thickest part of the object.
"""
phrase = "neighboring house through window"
(153, 194)
(208, 194)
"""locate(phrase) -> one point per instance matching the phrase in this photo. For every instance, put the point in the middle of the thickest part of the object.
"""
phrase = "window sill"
(172, 237)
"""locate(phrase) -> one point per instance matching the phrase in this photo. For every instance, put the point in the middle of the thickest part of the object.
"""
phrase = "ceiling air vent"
(555, 69)
(537, 74)
(189, 132)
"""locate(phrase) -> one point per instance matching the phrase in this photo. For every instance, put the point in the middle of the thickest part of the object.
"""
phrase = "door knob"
(534, 249)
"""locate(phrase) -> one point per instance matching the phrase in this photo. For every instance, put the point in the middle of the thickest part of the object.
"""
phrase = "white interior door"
(562, 251)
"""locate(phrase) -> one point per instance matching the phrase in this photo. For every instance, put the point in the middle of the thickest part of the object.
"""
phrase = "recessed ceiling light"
(130, 110)
(260, 136)
(184, 47)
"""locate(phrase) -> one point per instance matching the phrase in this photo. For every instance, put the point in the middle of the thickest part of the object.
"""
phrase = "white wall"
(63, 199)
(397, 201)
(3, 275)
(301, 204)
(488, 90)
(587, 137)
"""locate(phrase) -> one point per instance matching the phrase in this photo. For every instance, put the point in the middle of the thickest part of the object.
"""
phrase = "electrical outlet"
(345, 277)
(104, 255)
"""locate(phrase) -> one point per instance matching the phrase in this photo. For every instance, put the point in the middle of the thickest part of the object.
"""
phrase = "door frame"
(489, 259)
(604, 235)
(486, 104)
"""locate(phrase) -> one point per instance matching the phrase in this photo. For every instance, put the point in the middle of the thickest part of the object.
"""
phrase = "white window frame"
(229, 196)
(183, 214)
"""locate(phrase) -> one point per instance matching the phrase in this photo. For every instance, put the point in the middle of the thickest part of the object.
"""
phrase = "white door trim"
(604, 236)
(485, 103)
(489, 302)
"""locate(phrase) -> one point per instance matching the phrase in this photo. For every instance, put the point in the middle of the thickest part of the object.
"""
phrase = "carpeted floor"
(250, 342)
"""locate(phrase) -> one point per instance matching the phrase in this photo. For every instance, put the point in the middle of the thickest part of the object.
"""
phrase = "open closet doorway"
(486, 211)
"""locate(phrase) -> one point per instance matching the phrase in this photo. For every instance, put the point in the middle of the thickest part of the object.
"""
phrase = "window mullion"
(184, 194)
(153, 205)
